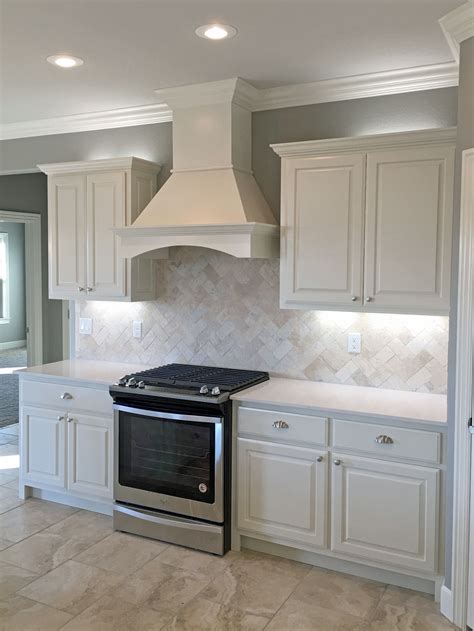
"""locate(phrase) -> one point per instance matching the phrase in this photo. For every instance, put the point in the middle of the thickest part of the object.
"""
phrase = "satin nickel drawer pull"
(66, 395)
(384, 440)
(280, 425)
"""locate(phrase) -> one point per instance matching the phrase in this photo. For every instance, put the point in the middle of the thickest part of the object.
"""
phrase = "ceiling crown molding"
(457, 26)
(239, 91)
(108, 119)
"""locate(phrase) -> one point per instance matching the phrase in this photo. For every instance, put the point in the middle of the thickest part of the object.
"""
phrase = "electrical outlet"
(85, 326)
(137, 329)
(353, 343)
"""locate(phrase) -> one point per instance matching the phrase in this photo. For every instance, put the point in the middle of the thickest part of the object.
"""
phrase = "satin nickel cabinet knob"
(90, 289)
(354, 298)
(69, 419)
(80, 289)
(319, 459)
(368, 299)
(61, 418)
(384, 440)
(280, 425)
(337, 462)
(66, 395)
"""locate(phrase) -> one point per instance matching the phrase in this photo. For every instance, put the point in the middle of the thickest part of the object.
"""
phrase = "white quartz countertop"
(333, 399)
(84, 371)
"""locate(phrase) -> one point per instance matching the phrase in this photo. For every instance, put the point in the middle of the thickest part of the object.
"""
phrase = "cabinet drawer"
(411, 444)
(75, 397)
(281, 425)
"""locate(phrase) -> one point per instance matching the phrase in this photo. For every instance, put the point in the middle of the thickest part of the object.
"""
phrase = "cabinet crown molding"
(457, 26)
(356, 144)
(96, 166)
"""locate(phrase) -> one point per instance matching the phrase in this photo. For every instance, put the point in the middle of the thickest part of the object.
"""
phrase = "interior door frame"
(33, 282)
(463, 397)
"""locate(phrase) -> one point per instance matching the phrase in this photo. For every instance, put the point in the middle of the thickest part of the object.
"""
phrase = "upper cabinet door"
(106, 270)
(322, 231)
(409, 211)
(67, 265)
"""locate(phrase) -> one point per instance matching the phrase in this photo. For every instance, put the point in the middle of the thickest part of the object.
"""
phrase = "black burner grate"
(188, 376)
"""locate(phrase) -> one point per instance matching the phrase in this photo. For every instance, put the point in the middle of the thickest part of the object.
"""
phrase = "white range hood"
(211, 199)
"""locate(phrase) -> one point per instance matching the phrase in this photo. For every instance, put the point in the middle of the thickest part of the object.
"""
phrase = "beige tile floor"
(62, 568)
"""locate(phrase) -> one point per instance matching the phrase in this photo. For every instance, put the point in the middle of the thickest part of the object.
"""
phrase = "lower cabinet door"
(43, 446)
(90, 455)
(385, 512)
(282, 491)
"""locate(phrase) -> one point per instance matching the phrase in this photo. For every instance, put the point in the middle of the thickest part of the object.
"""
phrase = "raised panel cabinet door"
(43, 447)
(409, 214)
(106, 270)
(90, 455)
(282, 491)
(322, 231)
(385, 512)
(66, 227)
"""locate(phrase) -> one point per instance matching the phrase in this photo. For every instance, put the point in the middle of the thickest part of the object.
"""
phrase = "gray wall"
(15, 329)
(27, 193)
(465, 140)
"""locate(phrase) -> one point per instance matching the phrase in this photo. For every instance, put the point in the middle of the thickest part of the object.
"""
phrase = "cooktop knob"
(204, 390)
(216, 390)
(132, 383)
(141, 384)
(122, 382)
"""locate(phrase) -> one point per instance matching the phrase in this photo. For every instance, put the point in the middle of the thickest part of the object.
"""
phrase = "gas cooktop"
(186, 379)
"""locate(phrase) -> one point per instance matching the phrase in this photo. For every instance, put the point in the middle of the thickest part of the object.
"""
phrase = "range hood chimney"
(211, 199)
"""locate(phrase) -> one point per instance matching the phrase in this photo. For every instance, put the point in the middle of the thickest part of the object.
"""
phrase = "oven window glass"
(167, 456)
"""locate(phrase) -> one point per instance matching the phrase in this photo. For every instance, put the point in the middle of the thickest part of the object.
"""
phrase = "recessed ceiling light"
(216, 31)
(65, 61)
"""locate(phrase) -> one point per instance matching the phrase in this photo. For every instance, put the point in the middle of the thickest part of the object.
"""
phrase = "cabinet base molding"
(76, 501)
(419, 584)
(446, 605)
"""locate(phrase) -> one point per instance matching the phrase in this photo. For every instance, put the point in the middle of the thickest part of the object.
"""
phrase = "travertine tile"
(8, 477)
(332, 590)
(197, 562)
(401, 618)
(122, 553)
(398, 596)
(4, 543)
(72, 586)
(42, 552)
(84, 525)
(10, 501)
(299, 616)
(21, 614)
(30, 518)
(203, 615)
(13, 578)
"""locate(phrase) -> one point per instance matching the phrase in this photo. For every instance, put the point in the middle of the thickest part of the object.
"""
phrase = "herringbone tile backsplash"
(218, 310)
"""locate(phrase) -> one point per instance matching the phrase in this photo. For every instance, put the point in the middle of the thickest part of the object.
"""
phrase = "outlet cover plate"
(353, 343)
(137, 327)
(85, 326)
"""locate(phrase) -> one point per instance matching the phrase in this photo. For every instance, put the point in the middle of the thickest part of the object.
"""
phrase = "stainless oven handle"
(165, 415)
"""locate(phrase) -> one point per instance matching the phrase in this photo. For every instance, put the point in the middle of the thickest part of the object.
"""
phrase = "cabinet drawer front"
(66, 397)
(411, 444)
(281, 425)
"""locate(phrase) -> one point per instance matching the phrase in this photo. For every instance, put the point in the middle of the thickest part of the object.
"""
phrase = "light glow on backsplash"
(218, 310)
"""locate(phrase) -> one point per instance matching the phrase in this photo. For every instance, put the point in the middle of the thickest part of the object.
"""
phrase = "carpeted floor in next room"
(10, 360)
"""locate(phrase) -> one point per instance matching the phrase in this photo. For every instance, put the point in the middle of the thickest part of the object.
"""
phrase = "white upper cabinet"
(86, 201)
(367, 223)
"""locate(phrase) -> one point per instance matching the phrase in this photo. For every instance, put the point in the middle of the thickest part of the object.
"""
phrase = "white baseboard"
(6, 346)
(105, 507)
(446, 603)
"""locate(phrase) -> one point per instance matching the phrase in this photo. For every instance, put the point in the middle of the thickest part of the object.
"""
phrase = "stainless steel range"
(173, 429)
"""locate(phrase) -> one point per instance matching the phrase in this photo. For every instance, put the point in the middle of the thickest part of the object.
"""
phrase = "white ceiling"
(131, 47)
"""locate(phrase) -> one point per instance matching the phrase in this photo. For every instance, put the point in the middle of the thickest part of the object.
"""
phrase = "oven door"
(169, 462)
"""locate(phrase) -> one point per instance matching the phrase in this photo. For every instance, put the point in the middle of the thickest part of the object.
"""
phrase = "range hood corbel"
(211, 199)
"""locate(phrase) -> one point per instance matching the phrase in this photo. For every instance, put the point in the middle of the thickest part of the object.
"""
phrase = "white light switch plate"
(85, 326)
(137, 329)
(353, 343)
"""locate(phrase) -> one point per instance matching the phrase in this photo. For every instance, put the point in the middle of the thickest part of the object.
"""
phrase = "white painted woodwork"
(66, 226)
(42, 446)
(106, 270)
(89, 458)
(322, 230)
(282, 491)
(87, 201)
(66, 396)
(301, 428)
(410, 444)
(385, 512)
(470, 586)
(377, 204)
(409, 228)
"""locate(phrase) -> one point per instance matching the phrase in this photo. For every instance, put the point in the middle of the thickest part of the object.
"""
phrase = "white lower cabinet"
(42, 446)
(283, 491)
(89, 455)
(385, 511)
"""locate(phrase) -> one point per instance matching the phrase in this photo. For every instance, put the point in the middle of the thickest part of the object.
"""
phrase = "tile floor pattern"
(63, 568)
(9, 385)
